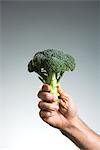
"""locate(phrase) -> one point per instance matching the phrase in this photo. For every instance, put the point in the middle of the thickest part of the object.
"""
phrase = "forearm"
(81, 135)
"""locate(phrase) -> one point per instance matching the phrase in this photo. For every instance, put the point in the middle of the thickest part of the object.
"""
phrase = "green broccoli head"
(50, 64)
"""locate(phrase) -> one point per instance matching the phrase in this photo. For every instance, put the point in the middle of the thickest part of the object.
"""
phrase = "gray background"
(28, 27)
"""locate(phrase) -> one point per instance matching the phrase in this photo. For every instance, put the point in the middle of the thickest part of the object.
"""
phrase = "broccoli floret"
(51, 64)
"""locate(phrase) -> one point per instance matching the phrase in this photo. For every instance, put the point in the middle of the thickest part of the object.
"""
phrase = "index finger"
(46, 88)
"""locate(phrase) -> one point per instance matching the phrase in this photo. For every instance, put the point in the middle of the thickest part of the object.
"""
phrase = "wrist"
(81, 135)
(72, 124)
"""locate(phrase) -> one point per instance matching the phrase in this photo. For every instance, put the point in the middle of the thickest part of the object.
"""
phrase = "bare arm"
(64, 117)
(80, 134)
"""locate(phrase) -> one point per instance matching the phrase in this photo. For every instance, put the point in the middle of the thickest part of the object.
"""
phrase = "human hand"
(64, 117)
(57, 115)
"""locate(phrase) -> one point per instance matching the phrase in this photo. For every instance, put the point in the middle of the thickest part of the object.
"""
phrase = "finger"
(61, 91)
(63, 107)
(64, 104)
(48, 106)
(45, 114)
(63, 95)
(46, 88)
(45, 96)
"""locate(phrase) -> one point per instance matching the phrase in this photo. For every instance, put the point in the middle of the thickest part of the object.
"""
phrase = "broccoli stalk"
(50, 65)
(52, 81)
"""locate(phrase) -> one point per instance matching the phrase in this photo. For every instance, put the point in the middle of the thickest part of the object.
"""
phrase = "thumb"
(63, 95)
(64, 101)
(66, 104)
(63, 107)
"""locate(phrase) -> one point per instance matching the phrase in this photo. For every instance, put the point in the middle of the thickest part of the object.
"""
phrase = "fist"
(57, 115)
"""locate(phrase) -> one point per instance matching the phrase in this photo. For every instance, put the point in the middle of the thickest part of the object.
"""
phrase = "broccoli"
(50, 65)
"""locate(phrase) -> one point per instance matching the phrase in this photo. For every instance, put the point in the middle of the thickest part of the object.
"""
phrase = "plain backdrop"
(28, 27)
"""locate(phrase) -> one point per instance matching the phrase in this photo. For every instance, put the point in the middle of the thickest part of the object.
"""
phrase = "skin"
(64, 117)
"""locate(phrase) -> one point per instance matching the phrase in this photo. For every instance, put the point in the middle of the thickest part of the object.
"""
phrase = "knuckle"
(39, 94)
(40, 113)
(39, 104)
(42, 95)
(44, 87)
(45, 95)
(64, 105)
(44, 114)
(43, 105)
